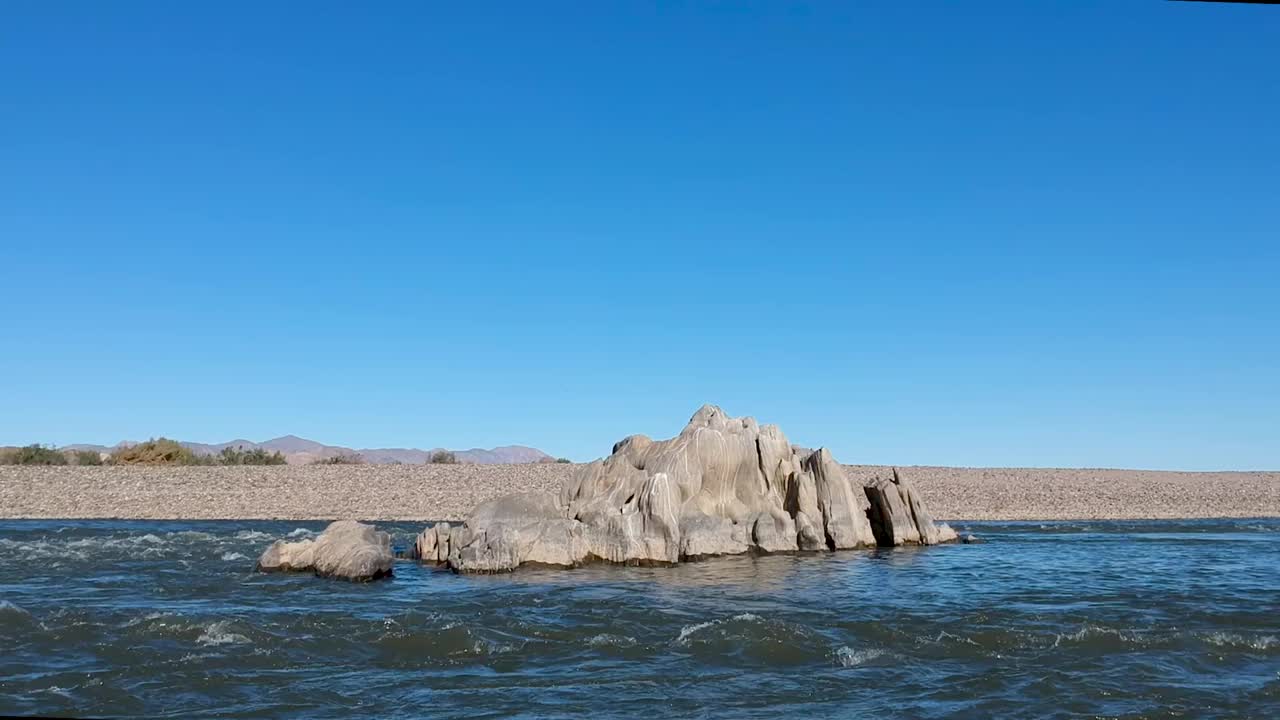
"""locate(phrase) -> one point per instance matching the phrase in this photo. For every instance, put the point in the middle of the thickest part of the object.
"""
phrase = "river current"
(1170, 619)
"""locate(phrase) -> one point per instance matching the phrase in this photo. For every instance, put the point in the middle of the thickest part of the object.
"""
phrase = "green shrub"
(258, 456)
(158, 451)
(35, 454)
(443, 457)
(563, 461)
(343, 459)
(87, 457)
(255, 456)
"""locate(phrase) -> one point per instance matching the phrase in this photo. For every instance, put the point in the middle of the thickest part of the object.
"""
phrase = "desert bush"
(443, 457)
(343, 459)
(158, 451)
(258, 456)
(254, 456)
(87, 457)
(563, 461)
(34, 454)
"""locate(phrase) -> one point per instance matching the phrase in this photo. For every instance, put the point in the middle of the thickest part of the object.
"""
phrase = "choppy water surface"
(1151, 619)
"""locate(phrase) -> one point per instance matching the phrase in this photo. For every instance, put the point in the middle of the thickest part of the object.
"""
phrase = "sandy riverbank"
(422, 492)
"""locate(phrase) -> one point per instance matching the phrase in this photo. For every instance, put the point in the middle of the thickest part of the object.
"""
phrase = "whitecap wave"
(944, 636)
(1259, 528)
(147, 618)
(1230, 639)
(133, 546)
(43, 549)
(219, 633)
(689, 631)
(610, 640)
(232, 556)
(1096, 631)
(191, 535)
(56, 690)
(848, 657)
(8, 608)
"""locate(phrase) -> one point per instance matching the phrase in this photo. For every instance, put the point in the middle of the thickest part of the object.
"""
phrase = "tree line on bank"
(157, 451)
(163, 451)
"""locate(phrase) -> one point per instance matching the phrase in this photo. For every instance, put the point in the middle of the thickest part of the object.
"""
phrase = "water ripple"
(1069, 619)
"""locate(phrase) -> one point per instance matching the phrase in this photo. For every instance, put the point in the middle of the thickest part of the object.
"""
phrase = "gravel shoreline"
(448, 492)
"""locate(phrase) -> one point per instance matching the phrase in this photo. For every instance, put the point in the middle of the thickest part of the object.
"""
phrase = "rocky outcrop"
(347, 550)
(898, 516)
(722, 486)
(842, 507)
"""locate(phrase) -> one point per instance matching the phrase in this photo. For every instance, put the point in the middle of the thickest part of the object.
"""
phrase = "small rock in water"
(347, 550)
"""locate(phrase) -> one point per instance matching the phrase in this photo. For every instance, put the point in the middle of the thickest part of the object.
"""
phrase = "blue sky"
(1042, 234)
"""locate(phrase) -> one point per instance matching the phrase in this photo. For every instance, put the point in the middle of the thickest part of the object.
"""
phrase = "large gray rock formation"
(347, 549)
(722, 486)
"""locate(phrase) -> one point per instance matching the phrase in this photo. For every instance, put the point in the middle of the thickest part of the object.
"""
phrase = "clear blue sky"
(921, 233)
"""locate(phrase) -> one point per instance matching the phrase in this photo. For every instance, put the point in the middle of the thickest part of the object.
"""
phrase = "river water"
(1109, 619)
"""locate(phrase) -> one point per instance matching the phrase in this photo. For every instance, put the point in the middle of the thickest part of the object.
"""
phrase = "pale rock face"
(347, 550)
(702, 535)
(722, 486)
(432, 544)
(843, 512)
(808, 537)
(891, 519)
(285, 556)
(898, 515)
(774, 533)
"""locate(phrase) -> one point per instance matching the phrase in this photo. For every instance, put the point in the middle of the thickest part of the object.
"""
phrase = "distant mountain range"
(300, 451)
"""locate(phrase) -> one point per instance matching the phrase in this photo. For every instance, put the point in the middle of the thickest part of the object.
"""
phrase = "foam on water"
(1089, 631)
(688, 631)
(610, 640)
(141, 546)
(56, 690)
(146, 618)
(219, 633)
(848, 657)
(1236, 640)
(944, 637)
(195, 535)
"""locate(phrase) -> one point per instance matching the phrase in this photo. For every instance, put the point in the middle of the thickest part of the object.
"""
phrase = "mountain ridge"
(301, 451)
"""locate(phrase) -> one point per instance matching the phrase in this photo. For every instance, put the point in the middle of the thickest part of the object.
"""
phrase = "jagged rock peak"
(722, 486)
